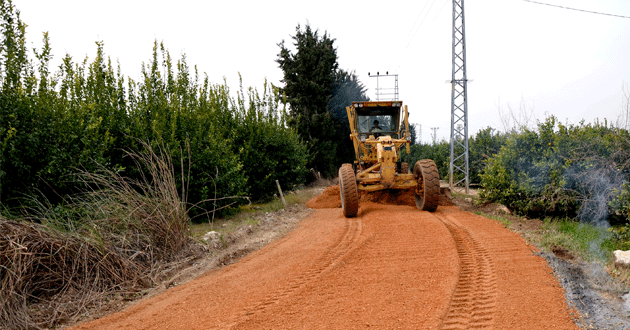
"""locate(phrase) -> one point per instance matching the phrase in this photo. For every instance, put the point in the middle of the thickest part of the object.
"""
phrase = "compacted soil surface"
(392, 266)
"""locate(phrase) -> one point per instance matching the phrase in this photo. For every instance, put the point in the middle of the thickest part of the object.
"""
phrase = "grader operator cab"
(379, 134)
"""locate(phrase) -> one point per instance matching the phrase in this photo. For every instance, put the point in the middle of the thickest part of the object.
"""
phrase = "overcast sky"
(520, 55)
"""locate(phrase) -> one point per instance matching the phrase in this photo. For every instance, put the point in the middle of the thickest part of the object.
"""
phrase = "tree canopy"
(318, 92)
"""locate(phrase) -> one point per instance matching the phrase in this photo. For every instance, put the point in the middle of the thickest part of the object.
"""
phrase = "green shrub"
(620, 238)
(481, 146)
(561, 170)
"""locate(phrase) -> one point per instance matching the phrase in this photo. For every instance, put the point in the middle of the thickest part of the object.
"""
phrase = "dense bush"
(578, 170)
(124, 236)
(268, 150)
(87, 114)
(482, 145)
(438, 152)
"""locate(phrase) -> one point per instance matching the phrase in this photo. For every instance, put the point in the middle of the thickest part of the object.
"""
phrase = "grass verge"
(587, 241)
(248, 214)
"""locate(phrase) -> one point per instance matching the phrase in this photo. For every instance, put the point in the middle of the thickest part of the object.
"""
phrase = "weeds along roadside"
(248, 214)
(116, 238)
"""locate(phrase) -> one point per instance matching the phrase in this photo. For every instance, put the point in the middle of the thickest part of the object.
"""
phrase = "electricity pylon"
(459, 101)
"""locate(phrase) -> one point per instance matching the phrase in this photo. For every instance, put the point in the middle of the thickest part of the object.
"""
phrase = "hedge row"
(576, 171)
(86, 114)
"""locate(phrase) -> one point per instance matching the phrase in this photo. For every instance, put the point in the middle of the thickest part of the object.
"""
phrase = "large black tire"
(428, 190)
(348, 191)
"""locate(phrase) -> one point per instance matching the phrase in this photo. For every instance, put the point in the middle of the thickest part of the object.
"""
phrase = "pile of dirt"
(391, 197)
(330, 198)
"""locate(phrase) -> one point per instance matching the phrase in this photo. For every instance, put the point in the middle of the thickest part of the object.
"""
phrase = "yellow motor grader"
(379, 134)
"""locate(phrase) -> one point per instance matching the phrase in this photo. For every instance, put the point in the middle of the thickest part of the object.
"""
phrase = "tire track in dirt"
(400, 274)
(473, 303)
(342, 247)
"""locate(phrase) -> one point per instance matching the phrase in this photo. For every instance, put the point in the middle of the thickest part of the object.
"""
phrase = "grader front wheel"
(348, 191)
(428, 189)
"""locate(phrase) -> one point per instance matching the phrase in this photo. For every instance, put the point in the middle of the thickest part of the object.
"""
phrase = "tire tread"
(348, 191)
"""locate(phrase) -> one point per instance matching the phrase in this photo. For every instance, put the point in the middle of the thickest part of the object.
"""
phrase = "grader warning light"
(379, 133)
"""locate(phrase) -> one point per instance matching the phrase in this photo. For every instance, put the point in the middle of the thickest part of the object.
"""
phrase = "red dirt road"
(390, 267)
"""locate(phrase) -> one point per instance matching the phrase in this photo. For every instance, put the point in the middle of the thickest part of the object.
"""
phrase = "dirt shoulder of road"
(602, 301)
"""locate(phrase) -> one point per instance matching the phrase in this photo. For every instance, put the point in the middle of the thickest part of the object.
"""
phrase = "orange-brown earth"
(392, 266)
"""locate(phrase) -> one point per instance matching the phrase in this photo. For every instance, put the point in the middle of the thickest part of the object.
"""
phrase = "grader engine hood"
(387, 157)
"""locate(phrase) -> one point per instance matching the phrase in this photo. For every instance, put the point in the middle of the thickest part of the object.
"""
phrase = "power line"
(416, 21)
(414, 29)
(582, 10)
(438, 14)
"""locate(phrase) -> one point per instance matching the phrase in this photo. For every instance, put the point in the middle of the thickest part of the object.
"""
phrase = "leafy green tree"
(269, 150)
(483, 145)
(414, 134)
(438, 152)
(347, 89)
(309, 78)
(15, 114)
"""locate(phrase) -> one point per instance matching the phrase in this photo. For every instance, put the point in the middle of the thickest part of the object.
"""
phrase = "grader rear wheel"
(428, 189)
(348, 191)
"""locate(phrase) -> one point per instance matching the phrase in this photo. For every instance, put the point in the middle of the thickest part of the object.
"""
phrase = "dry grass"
(117, 237)
(146, 218)
(43, 268)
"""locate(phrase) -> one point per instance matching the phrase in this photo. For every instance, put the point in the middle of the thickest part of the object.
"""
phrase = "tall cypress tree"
(309, 78)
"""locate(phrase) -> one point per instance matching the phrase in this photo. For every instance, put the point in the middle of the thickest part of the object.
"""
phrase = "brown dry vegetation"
(118, 238)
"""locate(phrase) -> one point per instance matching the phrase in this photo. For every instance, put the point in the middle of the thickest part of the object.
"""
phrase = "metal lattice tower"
(459, 102)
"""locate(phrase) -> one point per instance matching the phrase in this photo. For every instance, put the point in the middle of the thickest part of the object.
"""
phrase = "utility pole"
(459, 100)
(434, 134)
(419, 134)
(388, 94)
